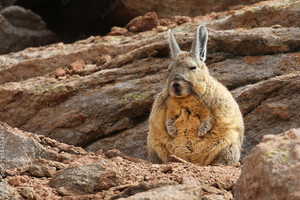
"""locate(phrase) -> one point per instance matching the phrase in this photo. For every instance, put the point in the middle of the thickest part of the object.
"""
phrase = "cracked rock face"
(269, 107)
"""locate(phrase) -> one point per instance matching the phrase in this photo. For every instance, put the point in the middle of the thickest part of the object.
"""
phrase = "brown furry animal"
(195, 117)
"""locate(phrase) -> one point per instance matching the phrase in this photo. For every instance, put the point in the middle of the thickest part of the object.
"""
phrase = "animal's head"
(187, 68)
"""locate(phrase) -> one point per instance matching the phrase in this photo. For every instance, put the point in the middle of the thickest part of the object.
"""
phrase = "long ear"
(173, 44)
(200, 43)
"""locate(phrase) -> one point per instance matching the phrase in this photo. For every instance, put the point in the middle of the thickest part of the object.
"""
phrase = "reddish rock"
(42, 171)
(145, 23)
(272, 169)
(180, 19)
(26, 192)
(167, 22)
(16, 180)
(103, 59)
(77, 66)
(161, 28)
(117, 31)
(57, 73)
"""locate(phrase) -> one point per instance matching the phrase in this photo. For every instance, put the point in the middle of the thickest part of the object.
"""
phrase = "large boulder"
(21, 28)
(20, 148)
(272, 169)
(269, 107)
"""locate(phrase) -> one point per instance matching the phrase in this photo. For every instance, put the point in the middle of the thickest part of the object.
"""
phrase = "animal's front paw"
(203, 129)
(171, 127)
(202, 132)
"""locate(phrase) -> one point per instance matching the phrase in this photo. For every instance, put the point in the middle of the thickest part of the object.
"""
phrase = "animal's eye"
(192, 68)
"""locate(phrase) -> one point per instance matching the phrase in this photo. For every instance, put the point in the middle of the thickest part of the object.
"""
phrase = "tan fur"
(205, 130)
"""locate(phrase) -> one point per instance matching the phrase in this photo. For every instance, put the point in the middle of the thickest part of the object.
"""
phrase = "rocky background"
(74, 117)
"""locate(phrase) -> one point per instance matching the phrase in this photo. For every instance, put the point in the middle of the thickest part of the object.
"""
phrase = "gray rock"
(19, 148)
(22, 28)
(89, 175)
(272, 169)
(130, 142)
(269, 107)
(177, 192)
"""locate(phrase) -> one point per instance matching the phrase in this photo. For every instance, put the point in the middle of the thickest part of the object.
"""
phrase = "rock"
(145, 23)
(23, 169)
(116, 153)
(166, 9)
(269, 107)
(77, 66)
(89, 175)
(8, 192)
(189, 180)
(178, 192)
(117, 31)
(180, 19)
(273, 165)
(213, 197)
(103, 59)
(161, 28)
(31, 152)
(130, 142)
(142, 187)
(42, 171)
(22, 28)
(57, 73)
(28, 148)
(253, 41)
(26, 192)
(266, 15)
(16, 181)
(241, 71)
(129, 49)
(211, 190)
(167, 169)
(166, 23)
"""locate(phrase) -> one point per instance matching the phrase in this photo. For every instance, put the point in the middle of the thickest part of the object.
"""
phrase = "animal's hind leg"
(154, 158)
(228, 156)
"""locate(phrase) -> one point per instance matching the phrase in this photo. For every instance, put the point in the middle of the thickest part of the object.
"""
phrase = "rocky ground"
(75, 117)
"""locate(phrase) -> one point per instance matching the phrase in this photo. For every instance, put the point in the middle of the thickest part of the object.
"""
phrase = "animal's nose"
(176, 85)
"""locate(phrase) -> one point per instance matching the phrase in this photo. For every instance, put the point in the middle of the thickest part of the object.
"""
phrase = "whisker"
(162, 103)
(199, 97)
